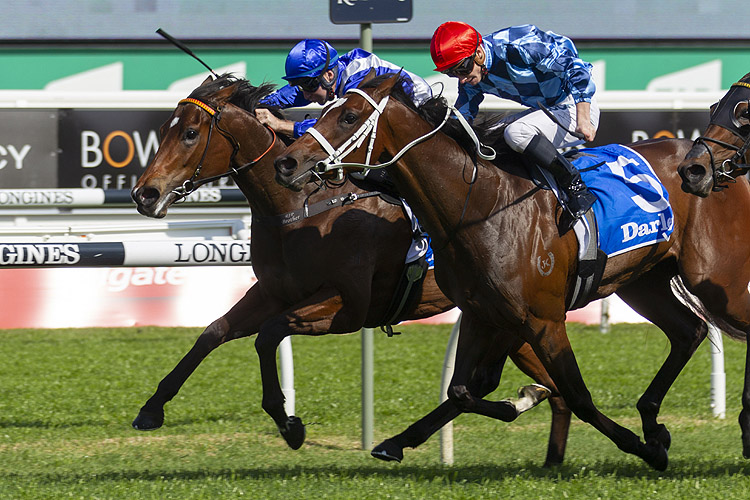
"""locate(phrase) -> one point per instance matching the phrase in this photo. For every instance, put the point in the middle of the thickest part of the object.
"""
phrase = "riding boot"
(544, 153)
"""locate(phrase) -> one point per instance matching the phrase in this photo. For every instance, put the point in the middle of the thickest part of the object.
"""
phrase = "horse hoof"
(746, 451)
(663, 436)
(293, 432)
(531, 395)
(388, 452)
(660, 460)
(148, 421)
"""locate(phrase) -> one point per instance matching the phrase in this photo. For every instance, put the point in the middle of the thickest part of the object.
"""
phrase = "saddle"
(591, 259)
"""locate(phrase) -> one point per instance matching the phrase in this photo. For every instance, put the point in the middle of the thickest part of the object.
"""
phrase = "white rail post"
(718, 375)
(446, 432)
(604, 323)
(286, 365)
(368, 405)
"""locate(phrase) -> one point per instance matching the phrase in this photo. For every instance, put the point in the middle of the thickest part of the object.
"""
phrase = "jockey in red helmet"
(533, 68)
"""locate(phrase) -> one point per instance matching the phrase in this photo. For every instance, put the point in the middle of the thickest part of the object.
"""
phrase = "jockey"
(316, 73)
(533, 68)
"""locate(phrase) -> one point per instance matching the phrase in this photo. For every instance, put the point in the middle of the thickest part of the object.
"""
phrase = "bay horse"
(489, 223)
(332, 272)
(717, 163)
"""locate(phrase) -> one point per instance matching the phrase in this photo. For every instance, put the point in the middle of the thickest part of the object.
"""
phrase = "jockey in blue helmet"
(306, 63)
(316, 73)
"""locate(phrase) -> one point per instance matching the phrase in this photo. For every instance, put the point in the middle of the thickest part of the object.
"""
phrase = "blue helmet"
(307, 58)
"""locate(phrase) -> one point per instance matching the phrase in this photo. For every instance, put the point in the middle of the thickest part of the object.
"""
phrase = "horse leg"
(480, 356)
(392, 449)
(734, 320)
(651, 296)
(528, 396)
(242, 320)
(744, 418)
(525, 359)
(718, 275)
(551, 344)
(322, 313)
(729, 309)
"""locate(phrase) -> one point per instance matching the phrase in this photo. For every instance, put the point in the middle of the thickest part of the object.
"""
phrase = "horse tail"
(694, 303)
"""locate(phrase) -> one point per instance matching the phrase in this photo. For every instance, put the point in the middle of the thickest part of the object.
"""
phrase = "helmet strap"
(329, 86)
(480, 59)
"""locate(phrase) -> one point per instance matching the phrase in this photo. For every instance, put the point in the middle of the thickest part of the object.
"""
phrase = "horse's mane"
(245, 95)
(433, 112)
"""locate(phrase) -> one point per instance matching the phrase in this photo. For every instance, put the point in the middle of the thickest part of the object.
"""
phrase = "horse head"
(720, 154)
(199, 143)
(346, 131)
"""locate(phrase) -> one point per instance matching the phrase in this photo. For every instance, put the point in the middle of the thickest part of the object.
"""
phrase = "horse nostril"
(285, 165)
(145, 196)
(695, 171)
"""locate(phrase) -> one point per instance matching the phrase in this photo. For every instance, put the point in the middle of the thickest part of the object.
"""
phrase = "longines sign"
(169, 253)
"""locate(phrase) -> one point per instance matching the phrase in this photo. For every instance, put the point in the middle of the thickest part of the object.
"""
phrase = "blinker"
(724, 113)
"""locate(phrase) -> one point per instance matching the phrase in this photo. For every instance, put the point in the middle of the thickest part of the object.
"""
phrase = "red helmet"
(452, 42)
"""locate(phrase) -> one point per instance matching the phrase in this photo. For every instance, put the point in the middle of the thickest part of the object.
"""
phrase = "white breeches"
(527, 124)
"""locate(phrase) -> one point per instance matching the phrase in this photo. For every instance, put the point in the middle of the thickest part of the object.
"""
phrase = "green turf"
(67, 398)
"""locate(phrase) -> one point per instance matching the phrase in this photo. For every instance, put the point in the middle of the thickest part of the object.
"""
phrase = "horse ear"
(207, 80)
(225, 93)
(369, 76)
(386, 86)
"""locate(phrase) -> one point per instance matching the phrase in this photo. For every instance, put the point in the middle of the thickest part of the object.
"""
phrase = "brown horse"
(720, 155)
(490, 222)
(334, 272)
(717, 162)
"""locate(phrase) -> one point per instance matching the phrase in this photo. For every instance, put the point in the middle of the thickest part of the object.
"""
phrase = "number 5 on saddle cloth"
(632, 211)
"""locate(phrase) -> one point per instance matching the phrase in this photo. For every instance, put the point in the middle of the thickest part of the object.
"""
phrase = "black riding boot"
(544, 153)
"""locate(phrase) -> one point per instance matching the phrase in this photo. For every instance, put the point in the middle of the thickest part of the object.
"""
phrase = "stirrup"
(579, 200)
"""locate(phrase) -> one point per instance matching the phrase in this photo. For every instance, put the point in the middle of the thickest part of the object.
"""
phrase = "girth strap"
(410, 284)
(590, 267)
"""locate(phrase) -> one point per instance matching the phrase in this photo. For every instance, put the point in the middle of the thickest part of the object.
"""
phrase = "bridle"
(193, 182)
(370, 126)
(723, 116)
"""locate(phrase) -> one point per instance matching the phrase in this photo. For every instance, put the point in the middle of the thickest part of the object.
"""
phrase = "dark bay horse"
(334, 272)
(490, 222)
(720, 155)
(717, 162)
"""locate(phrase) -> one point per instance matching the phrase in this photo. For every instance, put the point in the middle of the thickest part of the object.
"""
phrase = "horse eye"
(350, 118)
(191, 134)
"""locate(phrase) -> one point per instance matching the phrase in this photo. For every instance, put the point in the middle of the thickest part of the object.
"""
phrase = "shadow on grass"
(477, 474)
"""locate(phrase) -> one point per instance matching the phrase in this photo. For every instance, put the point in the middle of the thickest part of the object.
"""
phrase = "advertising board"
(28, 148)
(106, 149)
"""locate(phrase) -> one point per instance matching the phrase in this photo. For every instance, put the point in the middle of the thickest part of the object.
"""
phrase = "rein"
(335, 156)
(333, 162)
(724, 172)
(193, 182)
(306, 211)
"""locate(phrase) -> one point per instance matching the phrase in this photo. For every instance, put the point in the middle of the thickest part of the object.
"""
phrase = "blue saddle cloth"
(633, 207)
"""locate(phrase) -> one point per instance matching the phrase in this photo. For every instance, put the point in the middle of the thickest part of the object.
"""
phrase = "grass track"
(67, 398)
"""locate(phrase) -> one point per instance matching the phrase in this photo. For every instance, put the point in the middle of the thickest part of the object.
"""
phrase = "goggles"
(307, 84)
(461, 69)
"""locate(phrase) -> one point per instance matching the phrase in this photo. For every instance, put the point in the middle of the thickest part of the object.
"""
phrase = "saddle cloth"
(632, 208)
(420, 244)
